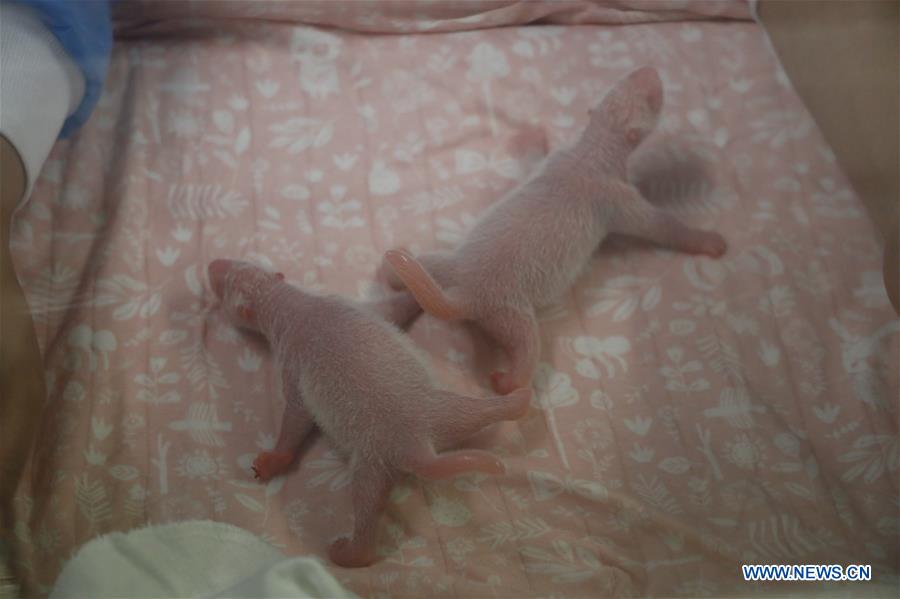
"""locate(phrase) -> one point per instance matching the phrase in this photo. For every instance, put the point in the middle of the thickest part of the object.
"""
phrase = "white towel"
(191, 559)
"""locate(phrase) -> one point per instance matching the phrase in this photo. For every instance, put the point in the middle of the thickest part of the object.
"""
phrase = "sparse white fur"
(530, 247)
(355, 375)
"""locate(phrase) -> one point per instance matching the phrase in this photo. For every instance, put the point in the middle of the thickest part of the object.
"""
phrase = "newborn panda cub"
(531, 246)
(347, 369)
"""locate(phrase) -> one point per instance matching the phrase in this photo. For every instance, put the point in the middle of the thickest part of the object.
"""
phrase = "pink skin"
(529, 248)
(348, 370)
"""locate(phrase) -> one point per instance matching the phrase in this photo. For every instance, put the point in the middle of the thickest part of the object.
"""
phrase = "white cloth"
(754, 10)
(191, 559)
(40, 86)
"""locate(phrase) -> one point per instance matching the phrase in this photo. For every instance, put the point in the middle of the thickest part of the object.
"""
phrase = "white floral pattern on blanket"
(690, 414)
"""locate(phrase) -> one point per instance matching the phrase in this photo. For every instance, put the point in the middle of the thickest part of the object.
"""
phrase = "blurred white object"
(191, 559)
(39, 86)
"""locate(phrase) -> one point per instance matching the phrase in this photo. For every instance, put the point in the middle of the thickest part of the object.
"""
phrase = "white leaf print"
(94, 457)
(827, 412)
(638, 425)
(382, 180)
(296, 192)
(127, 310)
(168, 255)
(242, 141)
(722, 357)
(275, 485)
(224, 121)
(586, 368)
(523, 529)
(249, 360)
(800, 491)
(447, 512)
(100, 428)
(300, 133)
(249, 502)
(193, 283)
(344, 161)
(623, 295)
(641, 454)
(608, 351)
(74, 391)
(721, 137)
(523, 48)
(202, 369)
(654, 492)
(486, 62)
(564, 95)
(468, 161)
(705, 275)
(93, 342)
(129, 283)
(562, 566)
(759, 259)
(92, 501)
(651, 298)
(675, 465)
(781, 538)
(150, 307)
(267, 88)
(123, 472)
(334, 472)
(553, 390)
(874, 456)
(736, 407)
(769, 353)
(203, 424)
(546, 486)
(196, 202)
(334, 214)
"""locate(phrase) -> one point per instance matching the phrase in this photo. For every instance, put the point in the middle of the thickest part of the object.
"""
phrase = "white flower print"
(744, 452)
(407, 91)
(701, 305)
(137, 492)
(133, 421)
(486, 62)
(317, 51)
(742, 494)
(199, 465)
(458, 548)
(779, 301)
(594, 437)
(183, 124)
(178, 508)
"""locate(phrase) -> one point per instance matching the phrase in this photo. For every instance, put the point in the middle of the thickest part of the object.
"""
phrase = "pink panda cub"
(530, 247)
(354, 374)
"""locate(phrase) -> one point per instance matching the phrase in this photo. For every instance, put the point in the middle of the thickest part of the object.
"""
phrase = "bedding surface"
(691, 415)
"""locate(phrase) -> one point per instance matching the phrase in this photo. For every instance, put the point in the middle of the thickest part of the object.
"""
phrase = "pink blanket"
(691, 415)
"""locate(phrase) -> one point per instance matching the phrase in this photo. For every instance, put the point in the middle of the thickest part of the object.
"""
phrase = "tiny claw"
(268, 465)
